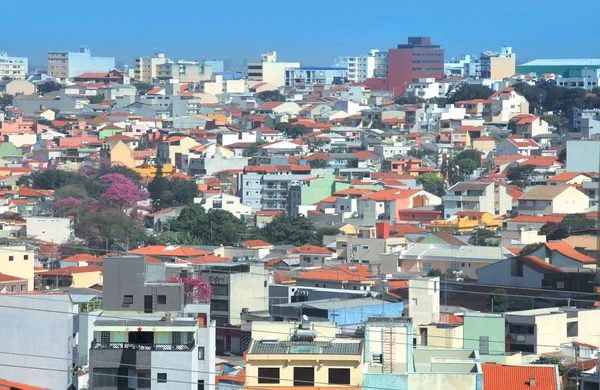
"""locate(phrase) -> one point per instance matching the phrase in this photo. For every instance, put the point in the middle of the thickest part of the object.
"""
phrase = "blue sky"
(313, 32)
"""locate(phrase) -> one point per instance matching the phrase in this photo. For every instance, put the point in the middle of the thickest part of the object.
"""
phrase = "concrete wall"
(492, 326)
(179, 366)
(34, 326)
(424, 300)
(500, 274)
(582, 156)
(51, 229)
(21, 264)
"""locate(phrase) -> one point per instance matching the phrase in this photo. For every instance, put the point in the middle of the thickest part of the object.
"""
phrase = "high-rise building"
(13, 67)
(498, 65)
(269, 69)
(146, 68)
(360, 68)
(66, 64)
(418, 59)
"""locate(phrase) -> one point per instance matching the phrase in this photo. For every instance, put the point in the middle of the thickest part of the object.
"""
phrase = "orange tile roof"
(568, 251)
(566, 176)
(396, 284)
(18, 386)
(538, 264)
(208, 259)
(353, 191)
(505, 377)
(356, 273)
(280, 277)
(80, 257)
(536, 219)
(311, 249)
(161, 250)
(402, 229)
(74, 270)
(270, 105)
(9, 278)
(364, 155)
(387, 195)
(527, 120)
(256, 244)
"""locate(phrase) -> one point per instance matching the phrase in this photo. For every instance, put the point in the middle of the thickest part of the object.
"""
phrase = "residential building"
(65, 64)
(385, 205)
(146, 68)
(360, 68)
(586, 122)
(183, 71)
(225, 202)
(77, 277)
(540, 331)
(16, 87)
(391, 360)
(269, 70)
(465, 259)
(206, 163)
(498, 65)
(217, 66)
(418, 59)
(497, 376)
(147, 337)
(463, 66)
(515, 144)
(560, 254)
(546, 200)
(315, 75)
(37, 326)
(467, 221)
(303, 359)
(167, 150)
(588, 79)
(530, 126)
(50, 229)
(477, 196)
(13, 284)
(503, 105)
(15, 68)
(485, 332)
(18, 261)
(570, 178)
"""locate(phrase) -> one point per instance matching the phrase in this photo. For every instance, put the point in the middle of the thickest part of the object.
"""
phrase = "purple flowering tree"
(196, 290)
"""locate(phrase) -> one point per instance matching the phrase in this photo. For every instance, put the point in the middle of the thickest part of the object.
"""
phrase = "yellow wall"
(503, 67)
(120, 154)
(443, 337)
(18, 267)
(87, 279)
(150, 170)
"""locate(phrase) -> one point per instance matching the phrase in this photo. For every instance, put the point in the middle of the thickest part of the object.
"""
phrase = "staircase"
(389, 348)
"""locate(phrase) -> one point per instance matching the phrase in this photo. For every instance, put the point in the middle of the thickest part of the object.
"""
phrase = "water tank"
(304, 335)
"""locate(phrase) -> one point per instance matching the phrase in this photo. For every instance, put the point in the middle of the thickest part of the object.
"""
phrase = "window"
(573, 329)
(339, 376)
(414, 301)
(365, 247)
(23, 287)
(105, 377)
(104, 337)
(427, 265)
(484, 345)
(25, 257)
(161, 377)
(11, 258)
(268, 375)
(13, 288)
(162, 299)
(200, 384)
(521, 329)
(377, 358)
(176, 338)
(128, 299)
(516, 268)
(200, 353)
(304, 376)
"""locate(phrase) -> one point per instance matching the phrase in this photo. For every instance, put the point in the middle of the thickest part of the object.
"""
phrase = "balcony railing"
(145, 347)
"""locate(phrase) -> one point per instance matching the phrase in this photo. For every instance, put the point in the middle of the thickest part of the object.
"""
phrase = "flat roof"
(336, 303)
(563, 62)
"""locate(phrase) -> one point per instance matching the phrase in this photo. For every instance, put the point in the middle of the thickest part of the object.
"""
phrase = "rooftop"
(305, 348)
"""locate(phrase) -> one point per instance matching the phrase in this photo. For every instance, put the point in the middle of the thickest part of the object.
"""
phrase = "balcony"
(145, 347)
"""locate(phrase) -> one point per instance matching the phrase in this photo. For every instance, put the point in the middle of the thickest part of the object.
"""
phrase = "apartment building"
(147, 337)
(360, 68)
(417, 59)
(315, 75)
(269, 70)
(184, 71)
(478, 197)
(498, 66)
(268, 187)
(167, 150)
(504, 105)
(146, 68)
(546, 200)
(66, 64)
(15, 68)
(18, 261)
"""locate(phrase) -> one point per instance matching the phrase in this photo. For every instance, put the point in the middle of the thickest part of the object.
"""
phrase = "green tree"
(550, 360)
(466, 167)
(352, 163)
(109, 228)
(143, 88)
(292, 131)
(271, 96)
(529, 248)
(96, 99)
(213, 227)
(49, 86)
(295, 231)
(326, 231)
(408, 100)
(468, 92)
(497, 301)
(431, 183)
(521, 173)
(555, 120)
(481, 237)
(318, 163)
(469, 154)
(253, 148)
(435, 272)
(562, 156)
(178, 238)
(6, 100)
(570, 223)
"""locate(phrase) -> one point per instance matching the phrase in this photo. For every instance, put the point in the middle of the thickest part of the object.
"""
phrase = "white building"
(225, 202)
(13, 67)
(360, 68)
(590, 79)
(50, 229)
(315, 75)
(427, 89)
(269, 70)
(464, 66)
(68, 64)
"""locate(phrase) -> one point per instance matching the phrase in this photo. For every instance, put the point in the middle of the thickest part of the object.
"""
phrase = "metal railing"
(145, 347)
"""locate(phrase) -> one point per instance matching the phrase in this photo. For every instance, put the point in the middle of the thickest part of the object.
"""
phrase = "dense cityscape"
(390, 220)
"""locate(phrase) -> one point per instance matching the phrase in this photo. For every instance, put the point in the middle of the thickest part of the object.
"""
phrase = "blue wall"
(356, 315)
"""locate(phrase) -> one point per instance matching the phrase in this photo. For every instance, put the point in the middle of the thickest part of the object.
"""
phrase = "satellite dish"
(304, 317)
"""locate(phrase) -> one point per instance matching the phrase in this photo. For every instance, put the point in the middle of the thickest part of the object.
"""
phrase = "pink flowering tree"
(67, 206)
(122, 192)
(196, 290)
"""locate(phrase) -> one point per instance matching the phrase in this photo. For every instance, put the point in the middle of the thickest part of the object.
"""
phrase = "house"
(263, 247)
(501, 376)
(13, 284)
(478, 197)
(356, 277)
(117, 153)
(169, 253)
(17, 87)
(303, 359)
(79, 260)
(545, 200)
(504, 105)
(562, 255)
(160, 220)
(385, 205)
(530, 222)
(82, 277)
(529, 126)
(516, 145)
(467, 221)
(278, 108)
(225, 202)
(167, 150)
(312, 256)
(521, 271)
(51, 229)
(569, 178)
(18, 261)
(484, 144)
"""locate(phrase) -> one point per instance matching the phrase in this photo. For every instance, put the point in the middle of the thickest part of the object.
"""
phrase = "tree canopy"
(168, 193)
(482, 237)
(143, 88)
(292, 131)
(555, 98)
(497, 301)
(48, 86)
(271, 96)
(213, 227)
(521, 175)
(298, 231)
(431, 183)
(570, 223)
(96, 99)
(318, 163)
(468, 92)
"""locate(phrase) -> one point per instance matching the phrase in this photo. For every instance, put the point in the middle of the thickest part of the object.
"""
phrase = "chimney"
(167, 316)
(382, 229)
(532, 382)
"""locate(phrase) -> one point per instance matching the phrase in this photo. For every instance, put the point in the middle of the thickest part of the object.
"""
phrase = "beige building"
(546, 200)
(301, 356)
(17, 261)
(16, 87)
(178, 144)
(529, 126)
(498, 66)
(484, 144)
(81, 277)
(14, 68)
(118, 154)
(440, 335)
(146, 68)
(269, 69)
(504, 105)
(184, 71)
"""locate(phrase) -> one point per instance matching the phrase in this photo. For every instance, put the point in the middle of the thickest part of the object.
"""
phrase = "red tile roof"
(80, 257)
(504, 377)
(161, 250)
(538, 264)
(9, 278)
(568, 251)
(536, 219)
(388, 195)
(566, 176)
(270, 105)
(312, 249)
(4, 384)
(358, 273)
(256, 244)
(74, 270)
